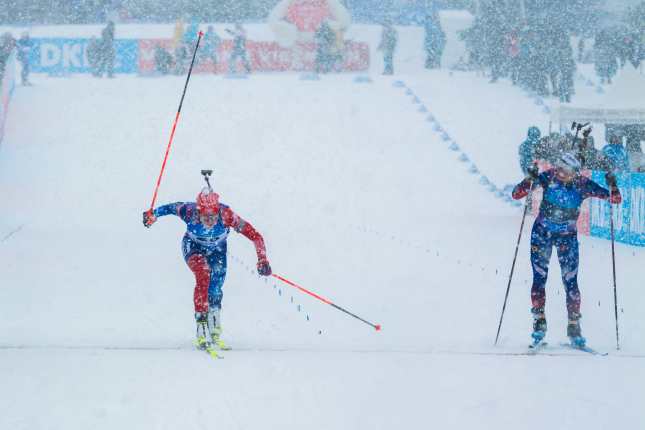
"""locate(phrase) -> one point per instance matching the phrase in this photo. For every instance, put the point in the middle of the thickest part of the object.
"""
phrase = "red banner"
(584, 219)
(262, 57)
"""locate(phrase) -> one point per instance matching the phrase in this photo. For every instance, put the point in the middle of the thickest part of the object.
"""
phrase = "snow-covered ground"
(359, 200)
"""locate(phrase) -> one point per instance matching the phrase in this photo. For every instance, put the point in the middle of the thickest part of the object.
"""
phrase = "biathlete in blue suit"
(209, 223)
(564, 190)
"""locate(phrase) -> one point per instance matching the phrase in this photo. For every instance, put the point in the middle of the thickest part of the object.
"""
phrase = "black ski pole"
(172, 134)
(613, 261)
(517, 247)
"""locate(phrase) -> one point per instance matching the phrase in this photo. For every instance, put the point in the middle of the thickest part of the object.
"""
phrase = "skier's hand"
(611, 180)
(264, 268)
(532, 173)
(148, 218)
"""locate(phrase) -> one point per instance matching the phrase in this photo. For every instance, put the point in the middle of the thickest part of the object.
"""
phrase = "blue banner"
(600, 221)
(637, 221)
(70, 56)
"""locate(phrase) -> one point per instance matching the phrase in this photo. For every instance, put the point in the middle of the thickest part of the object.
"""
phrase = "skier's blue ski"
(583, 348)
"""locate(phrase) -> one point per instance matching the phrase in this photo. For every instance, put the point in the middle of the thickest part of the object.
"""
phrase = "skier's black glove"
(611, 180)
(532, 173)
(264, 268)
(148, 218)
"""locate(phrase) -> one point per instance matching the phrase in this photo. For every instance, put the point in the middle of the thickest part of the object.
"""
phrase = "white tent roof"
(624, 103)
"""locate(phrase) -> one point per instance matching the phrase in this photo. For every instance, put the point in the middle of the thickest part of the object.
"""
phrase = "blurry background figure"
(163, 61)
(210, 42)
(6, 46)
(178, 46)
(325, 38)
(389, 37)
(617, 153)
(513, 42)
(107, 50)
(605, 56)
(23, 47)
(338, 47)
(188, 42)
(567, 72)
(434, 42)
(94, 56)
(239, 47)
(528, 148)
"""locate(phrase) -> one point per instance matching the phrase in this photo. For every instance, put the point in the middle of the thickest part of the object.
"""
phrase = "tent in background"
(624, 103)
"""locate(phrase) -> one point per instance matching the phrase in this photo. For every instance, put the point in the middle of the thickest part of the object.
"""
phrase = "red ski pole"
(175, 125)
(377, 327)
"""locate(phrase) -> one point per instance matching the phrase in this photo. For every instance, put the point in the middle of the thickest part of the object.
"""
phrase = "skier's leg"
(568, 257)
(217, 263)
(199, 266)
(540, 256)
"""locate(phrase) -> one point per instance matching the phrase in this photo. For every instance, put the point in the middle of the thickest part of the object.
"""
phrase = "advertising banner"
(637, 220)
(600, 221)
(58, 55)
(262, 56)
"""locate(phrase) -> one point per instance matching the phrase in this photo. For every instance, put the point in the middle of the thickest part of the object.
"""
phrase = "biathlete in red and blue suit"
(209, 223)
(564, 190)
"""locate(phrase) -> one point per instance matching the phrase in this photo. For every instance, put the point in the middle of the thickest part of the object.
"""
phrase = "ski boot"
(539, 324)
(202, 330)
(215, 327)
(203, 334)
(573, 329)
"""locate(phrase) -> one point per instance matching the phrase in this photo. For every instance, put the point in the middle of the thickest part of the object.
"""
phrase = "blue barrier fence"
(58, 55)
(629, 215)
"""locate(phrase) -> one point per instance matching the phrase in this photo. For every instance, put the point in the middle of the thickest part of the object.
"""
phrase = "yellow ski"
(204, 346)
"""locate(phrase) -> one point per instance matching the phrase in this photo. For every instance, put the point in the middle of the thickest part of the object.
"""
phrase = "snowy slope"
(358, 199)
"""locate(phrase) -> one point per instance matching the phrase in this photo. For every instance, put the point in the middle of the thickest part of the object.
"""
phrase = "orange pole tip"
(378, 327)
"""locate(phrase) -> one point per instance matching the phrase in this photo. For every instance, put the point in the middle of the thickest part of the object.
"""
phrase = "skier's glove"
(264, 268)
(148, 218)
(532, 173)
(611, 180)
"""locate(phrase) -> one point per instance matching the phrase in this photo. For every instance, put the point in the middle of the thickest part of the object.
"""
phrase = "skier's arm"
(231, 219)
(522, 189)
(592, 189)
(177, 209)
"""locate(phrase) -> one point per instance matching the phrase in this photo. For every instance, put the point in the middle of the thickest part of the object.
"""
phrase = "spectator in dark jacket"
(434, 41)
(107, 49)
(94, 56)
(239, 47)
(6, 46)
(389, 38)
(617, 154)
(567, 72)
(325, 38)
(527, 149)
(23, 46)
(163, 60)
(605, 56)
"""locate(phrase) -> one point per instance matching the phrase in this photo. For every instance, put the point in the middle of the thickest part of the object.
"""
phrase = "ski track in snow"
(96, 318)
